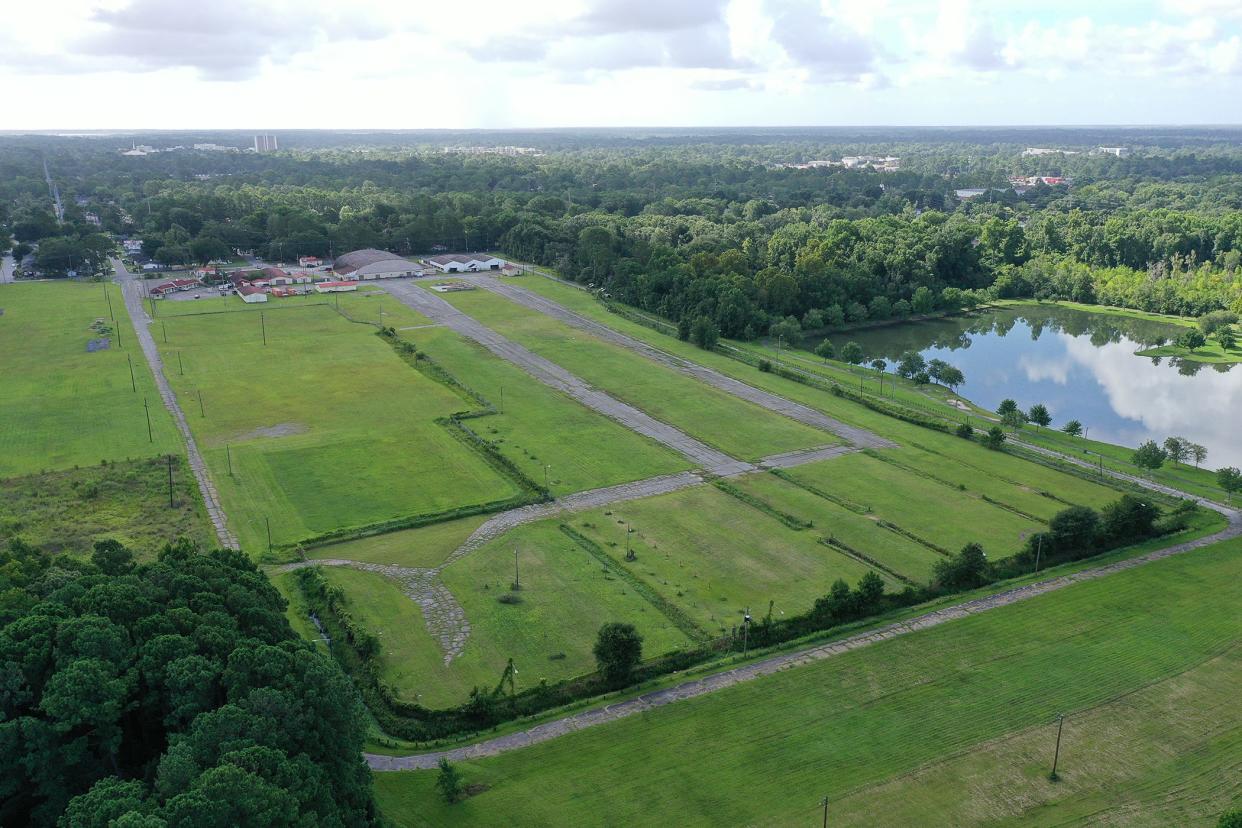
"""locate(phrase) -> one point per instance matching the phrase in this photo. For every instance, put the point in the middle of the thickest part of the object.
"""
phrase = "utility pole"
(1039, 550)
(228, 453)
(268, 522)
(170, 483)
(201, 411)
(517, 581)
(1056, 757)
(502, 399)
(147, 409)
(108, 296)
(824, 802)
(263, 325)
(180, 367)
(164, 328)
(132, 383)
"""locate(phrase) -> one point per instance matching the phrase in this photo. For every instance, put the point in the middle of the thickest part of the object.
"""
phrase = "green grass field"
(878, 725)
(67, 511)
(540, 427)
(565, 597)
(919, 505)
(736, 427)
(326, 426)
(713, 555)
(61, 406)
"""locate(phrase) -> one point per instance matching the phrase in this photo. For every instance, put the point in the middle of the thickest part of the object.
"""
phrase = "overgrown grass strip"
(792, 521)
(857, 508)
(862, 557)
(676, 616)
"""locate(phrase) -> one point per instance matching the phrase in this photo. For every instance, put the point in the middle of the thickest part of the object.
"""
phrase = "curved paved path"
(131, 290)
(784, 661)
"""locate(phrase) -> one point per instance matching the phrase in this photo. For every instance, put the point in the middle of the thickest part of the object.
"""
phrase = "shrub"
(965, 431)
(618, 650)
(448, 783)
(995, 438)
(968, 569)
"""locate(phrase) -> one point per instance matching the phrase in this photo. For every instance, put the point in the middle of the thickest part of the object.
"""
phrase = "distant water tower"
(265, 143)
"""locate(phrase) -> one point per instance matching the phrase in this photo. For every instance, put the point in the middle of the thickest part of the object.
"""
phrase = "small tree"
(1176, 449)
(618, 649)
(1073, 428)
(825, 350)
(879, 365)
(704, 333)
(1148, 456)
(448, 783)
(1229, 479)
(967, 569)
(1199, 453)
(952, 376)
(1039, 415)
(911, 363)
(995, 438)
(1013, 419)
(965, 431)
(1226, 339)
(1006, 406)
(1192, 340)
(787, 329)
(852, 353)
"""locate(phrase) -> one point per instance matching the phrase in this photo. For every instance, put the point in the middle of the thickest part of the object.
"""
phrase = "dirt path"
(794, 410)
(784, 661)
(131, 291)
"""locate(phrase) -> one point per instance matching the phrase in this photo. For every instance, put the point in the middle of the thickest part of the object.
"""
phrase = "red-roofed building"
(335, 287)
(165, 288)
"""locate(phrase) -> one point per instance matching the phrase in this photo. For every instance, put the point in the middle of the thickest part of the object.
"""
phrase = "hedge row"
(792, 521)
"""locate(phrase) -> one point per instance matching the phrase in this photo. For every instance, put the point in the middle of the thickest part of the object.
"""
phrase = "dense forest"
(172, 693)
(714, 227)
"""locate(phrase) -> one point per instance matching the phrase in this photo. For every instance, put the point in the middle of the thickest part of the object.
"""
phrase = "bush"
(995, 438)
(965, 431)
(968, 569)
(448, 783)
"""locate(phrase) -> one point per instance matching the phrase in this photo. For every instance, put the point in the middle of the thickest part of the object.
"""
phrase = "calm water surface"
(1082, 366)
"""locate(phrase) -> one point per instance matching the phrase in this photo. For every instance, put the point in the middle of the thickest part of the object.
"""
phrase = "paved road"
(783, 661)
(7, 268)
(794, 410)
(131, 289)
(553, 375)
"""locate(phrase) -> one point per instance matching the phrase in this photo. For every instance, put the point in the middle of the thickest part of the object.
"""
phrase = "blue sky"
(496, 63)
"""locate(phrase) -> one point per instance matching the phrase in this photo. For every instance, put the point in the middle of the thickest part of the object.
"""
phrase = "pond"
(1082, 366)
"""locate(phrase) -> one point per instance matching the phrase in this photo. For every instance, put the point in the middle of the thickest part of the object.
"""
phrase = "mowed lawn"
(327, 428)
(767, 751)
(863, 534)
(61, 406)
(713, 555)
(924, 507)
(736, 427)
(565, 598)
(543, 430)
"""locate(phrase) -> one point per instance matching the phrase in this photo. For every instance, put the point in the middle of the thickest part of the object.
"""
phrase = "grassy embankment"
(952, 723)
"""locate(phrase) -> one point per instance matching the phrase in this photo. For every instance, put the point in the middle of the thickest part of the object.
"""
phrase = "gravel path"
(131, 290)
(553, 375)
(795, 411)
(8, 269)
(783, 661)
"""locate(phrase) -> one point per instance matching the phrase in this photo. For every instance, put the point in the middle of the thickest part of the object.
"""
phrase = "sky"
(397, 64)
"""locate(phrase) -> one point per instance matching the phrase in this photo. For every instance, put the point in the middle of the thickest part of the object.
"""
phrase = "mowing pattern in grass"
(918, 505)
(60, 405)
(767, 751)
(67, 511)
(325, 427)
(738, 428)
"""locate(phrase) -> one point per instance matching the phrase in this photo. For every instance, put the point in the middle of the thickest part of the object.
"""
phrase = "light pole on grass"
(1056, 757)
(824, 803)
(132, 383)
(745, 632)
(147, 410)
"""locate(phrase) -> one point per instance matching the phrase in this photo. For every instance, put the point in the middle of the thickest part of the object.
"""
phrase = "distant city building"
(510, 151)
(1029, 151)
(1120, 152)
(265, 143)
(215, 148)
(879, 163)
(1035, 180)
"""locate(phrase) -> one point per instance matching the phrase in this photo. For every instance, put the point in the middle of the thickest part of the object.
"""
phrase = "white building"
(373, 264)
(335, 287)
(250, 294)
(1120, 152)
(470, 263)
